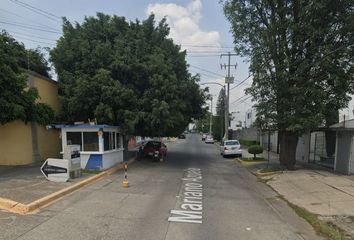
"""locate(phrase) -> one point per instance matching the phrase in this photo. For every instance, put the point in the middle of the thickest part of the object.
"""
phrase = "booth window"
(109, 141)
(91, 142)
(74, 138)
(113, 142)
(119, 144)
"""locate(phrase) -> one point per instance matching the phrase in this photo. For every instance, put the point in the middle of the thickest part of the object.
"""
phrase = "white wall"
(236, 118)
(250, 117)
(347, 112)
(112, 158)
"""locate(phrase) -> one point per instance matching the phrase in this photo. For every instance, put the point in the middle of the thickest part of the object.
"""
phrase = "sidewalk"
(24, 189)
(319, 191)
(26, 183)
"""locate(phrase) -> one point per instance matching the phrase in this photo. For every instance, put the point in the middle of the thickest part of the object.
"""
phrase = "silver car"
(231, 147)
(209, 139)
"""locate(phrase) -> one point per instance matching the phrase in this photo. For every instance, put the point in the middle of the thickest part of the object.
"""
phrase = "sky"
(199, 26)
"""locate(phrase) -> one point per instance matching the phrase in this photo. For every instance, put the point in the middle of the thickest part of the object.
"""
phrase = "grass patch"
(90, 171)
(264, 180)
(271, 169)
(323, 228)
(251, 159)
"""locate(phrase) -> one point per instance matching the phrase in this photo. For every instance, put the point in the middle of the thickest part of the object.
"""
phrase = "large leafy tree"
(301, 58)
(17, 101)
(126, 73)
(220, 111)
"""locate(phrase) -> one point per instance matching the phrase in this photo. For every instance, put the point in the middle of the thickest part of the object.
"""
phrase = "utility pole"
(228, 80)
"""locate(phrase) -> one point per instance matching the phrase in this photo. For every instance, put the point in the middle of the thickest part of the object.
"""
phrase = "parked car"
(209, 139)
(182, 136)
(231, 147)
(155, 149)
(204, 137)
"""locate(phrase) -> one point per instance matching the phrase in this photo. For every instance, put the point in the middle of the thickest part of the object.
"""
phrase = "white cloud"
(184, 23)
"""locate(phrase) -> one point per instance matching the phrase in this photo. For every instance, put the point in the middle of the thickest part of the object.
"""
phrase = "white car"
(209, 139)
(231, 147)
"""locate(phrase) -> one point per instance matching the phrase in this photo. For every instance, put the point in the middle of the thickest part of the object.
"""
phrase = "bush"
(255, 149)
(246, 142)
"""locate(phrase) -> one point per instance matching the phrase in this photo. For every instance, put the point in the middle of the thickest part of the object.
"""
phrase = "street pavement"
(233, 204)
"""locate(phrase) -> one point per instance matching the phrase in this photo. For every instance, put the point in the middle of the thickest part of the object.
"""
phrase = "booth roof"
(103, 126)
(344, 124)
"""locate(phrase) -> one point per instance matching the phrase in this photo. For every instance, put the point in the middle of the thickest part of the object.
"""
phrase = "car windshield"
(153, 144)
(228, 143)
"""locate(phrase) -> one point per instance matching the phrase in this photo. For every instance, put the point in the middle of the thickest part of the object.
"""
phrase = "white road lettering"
(192, 199)
(186, 216)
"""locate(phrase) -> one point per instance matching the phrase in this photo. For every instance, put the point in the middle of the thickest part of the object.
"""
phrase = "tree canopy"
(126, 73)
(17, 101)
(301, 60)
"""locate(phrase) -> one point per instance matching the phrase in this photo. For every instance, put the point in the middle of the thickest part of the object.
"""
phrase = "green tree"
(126, 73)
(301, 60)
(218, 131)
(17, 102)
(220, 112)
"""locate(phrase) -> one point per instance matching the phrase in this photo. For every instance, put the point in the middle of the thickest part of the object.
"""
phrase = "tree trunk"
(288, 144)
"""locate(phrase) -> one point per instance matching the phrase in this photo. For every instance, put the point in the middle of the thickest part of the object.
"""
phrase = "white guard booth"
(101, 145)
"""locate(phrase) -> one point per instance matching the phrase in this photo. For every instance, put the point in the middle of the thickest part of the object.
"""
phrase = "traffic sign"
(56, 170)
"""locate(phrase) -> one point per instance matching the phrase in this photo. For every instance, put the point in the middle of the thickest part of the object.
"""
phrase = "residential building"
(250, 117)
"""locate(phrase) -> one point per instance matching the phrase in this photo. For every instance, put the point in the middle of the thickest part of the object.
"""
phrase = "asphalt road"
(229, 203)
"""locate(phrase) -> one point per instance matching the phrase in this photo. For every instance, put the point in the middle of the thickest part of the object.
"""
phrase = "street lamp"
(226, 109)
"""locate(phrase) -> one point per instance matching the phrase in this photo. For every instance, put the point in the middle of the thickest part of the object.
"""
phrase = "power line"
(323, 57)
(27, 19)
(30, 35)
(37, 10)
(239, 98)
(216, 74)
(215, 51)
(52, 44)
(242, 101)
(205, 46)
(206, 75)
(242, 82)
(27, 26)
(206, 55)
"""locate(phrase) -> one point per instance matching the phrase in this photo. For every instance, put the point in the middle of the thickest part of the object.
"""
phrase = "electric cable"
(37, 10)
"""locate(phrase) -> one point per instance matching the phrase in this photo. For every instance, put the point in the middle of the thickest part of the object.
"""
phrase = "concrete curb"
(248, 163)
(260, 174)
(20, 208)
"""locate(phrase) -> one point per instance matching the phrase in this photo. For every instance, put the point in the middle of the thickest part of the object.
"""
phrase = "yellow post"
(125, 182)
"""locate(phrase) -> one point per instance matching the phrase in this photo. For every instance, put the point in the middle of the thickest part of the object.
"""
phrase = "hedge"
(246, 142)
